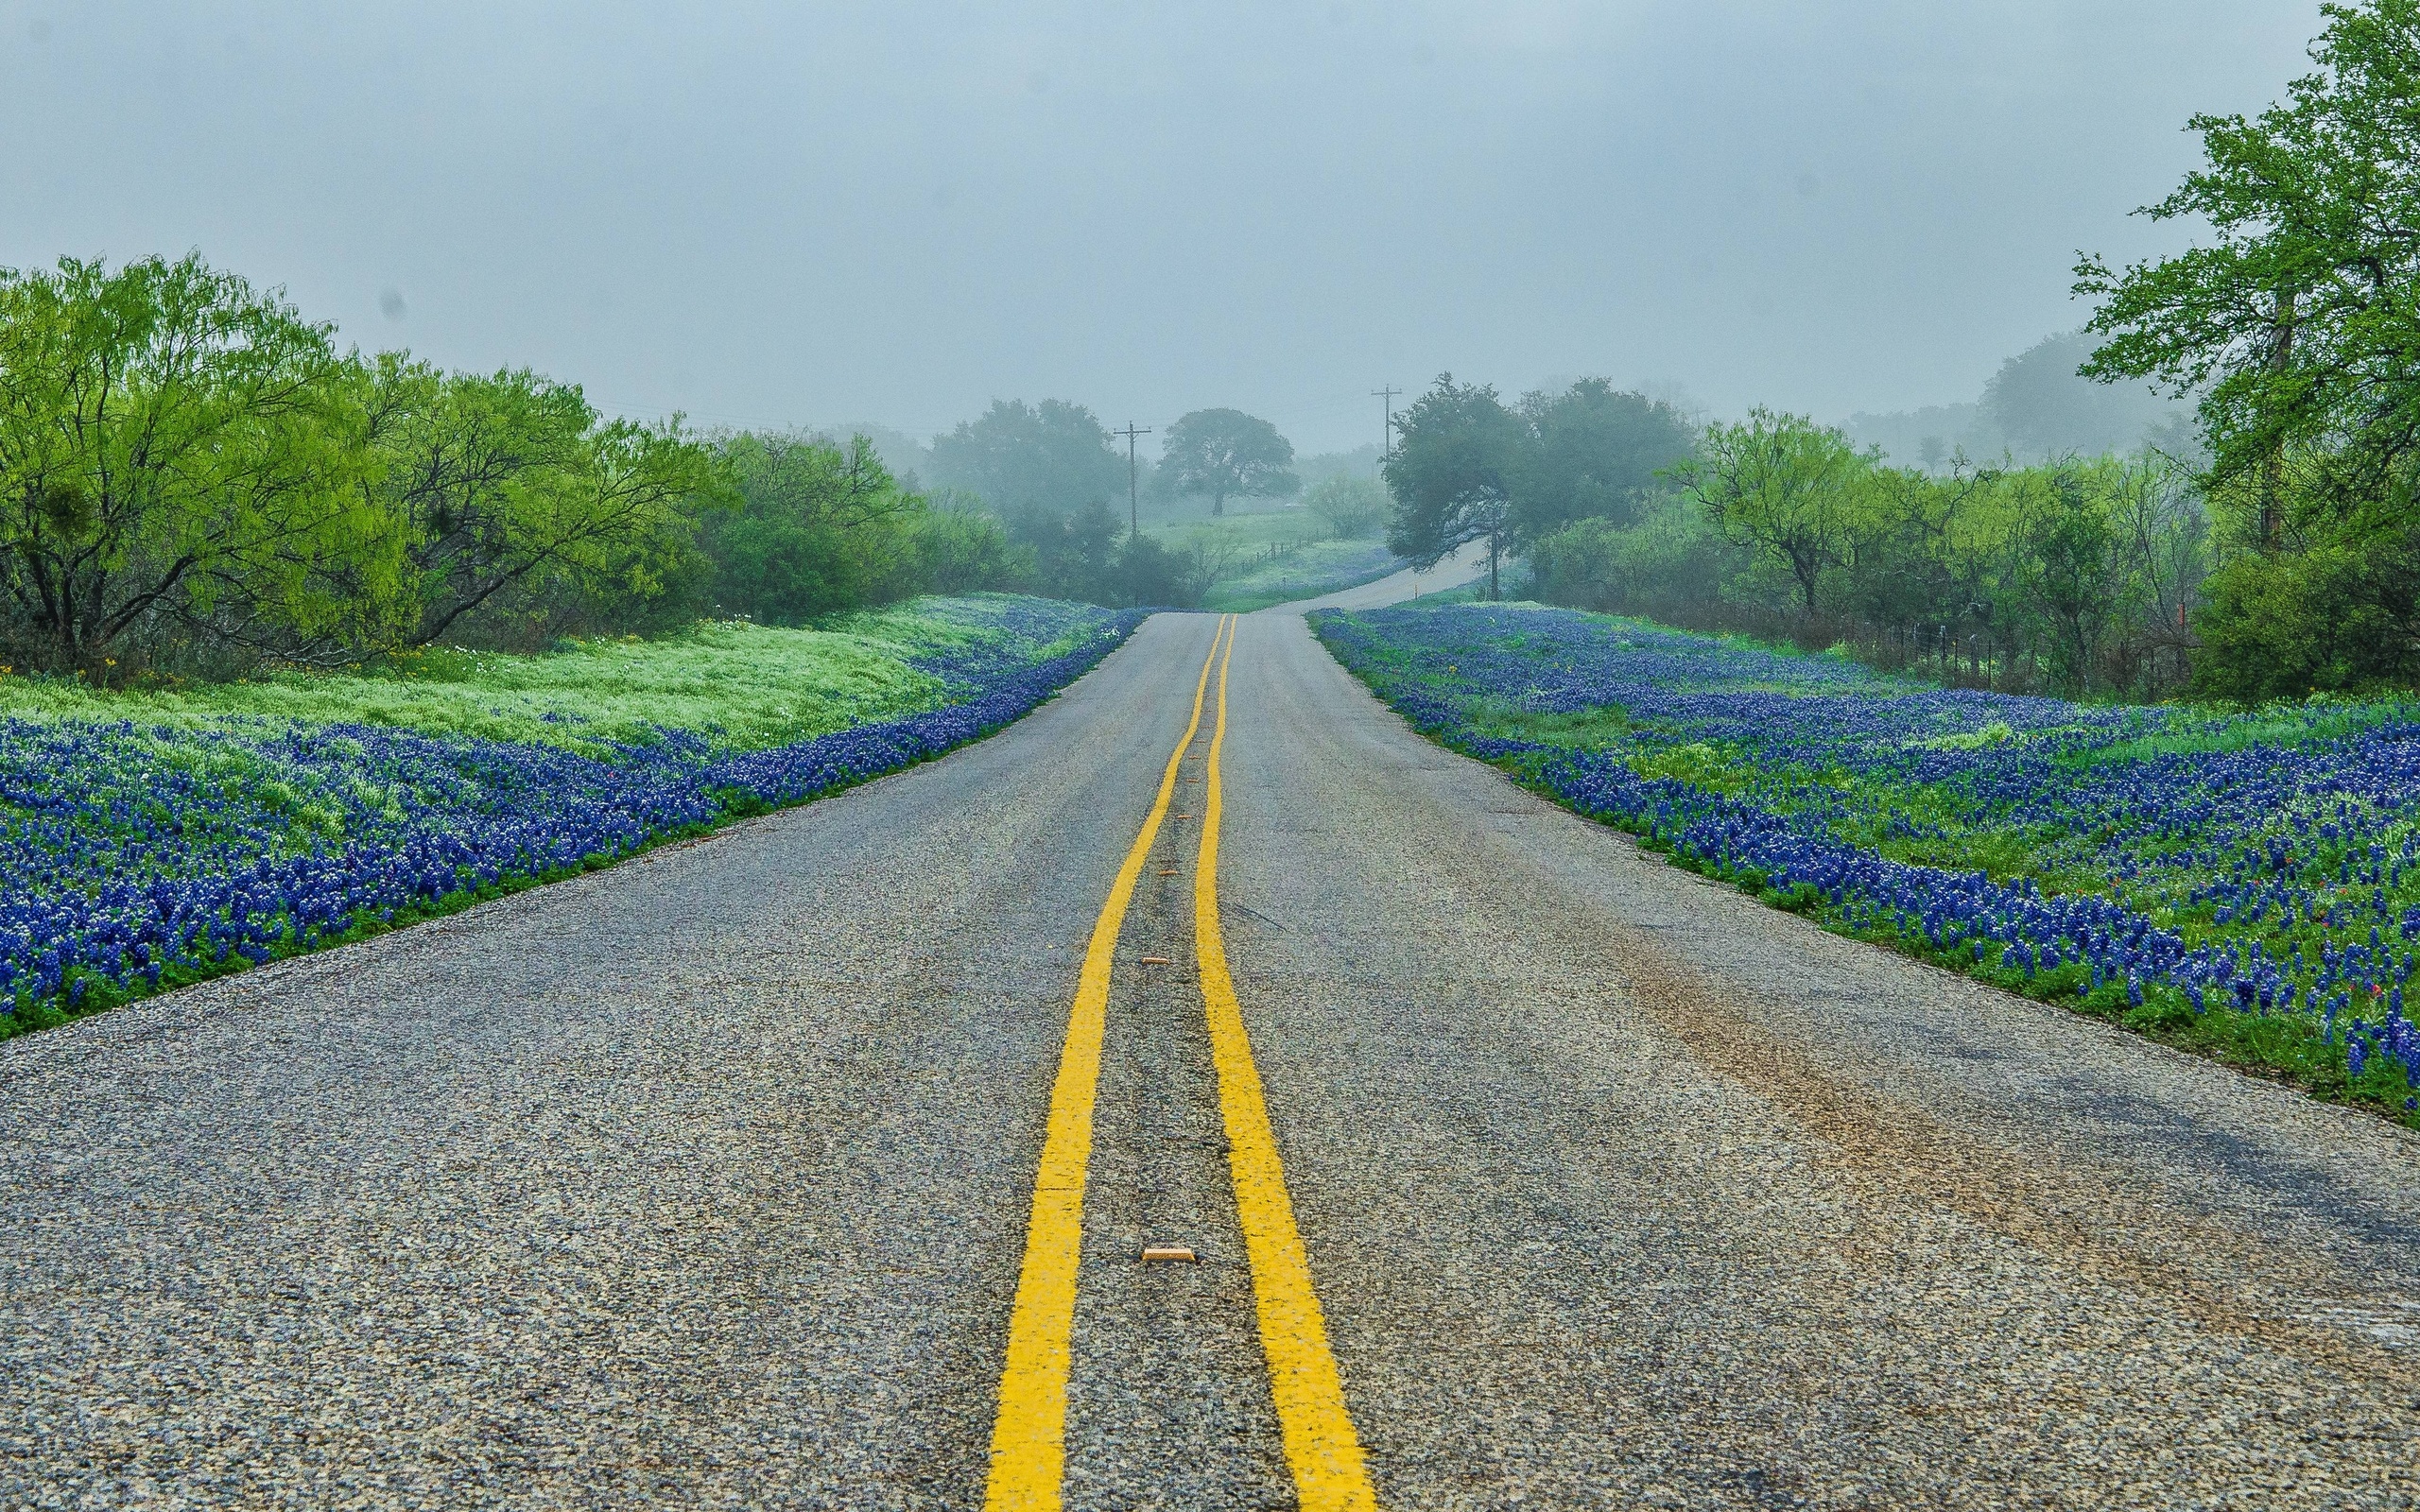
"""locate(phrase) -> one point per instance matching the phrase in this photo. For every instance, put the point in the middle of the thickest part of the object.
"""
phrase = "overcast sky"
(778, 214)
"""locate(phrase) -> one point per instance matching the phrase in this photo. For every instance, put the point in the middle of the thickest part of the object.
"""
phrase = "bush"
(1352, 508)
(2338, 618)
(1667, 563)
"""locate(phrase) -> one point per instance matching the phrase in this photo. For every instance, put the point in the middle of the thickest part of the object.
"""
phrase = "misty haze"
(1334, 756)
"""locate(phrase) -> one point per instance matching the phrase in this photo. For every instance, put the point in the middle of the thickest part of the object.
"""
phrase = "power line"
(1134, 505)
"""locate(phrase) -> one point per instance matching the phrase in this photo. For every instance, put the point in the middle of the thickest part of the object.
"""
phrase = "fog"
(774, 216)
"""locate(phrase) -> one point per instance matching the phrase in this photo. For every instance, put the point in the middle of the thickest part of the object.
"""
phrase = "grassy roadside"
(2244, 886)
(745, 685)
(157, 838)
(1274, 557)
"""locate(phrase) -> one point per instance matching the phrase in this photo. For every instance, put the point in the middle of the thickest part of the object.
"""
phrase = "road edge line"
(1028, 1435)
(1322, 1447)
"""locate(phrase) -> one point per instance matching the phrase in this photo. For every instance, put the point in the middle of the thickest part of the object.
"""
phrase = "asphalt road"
(705, 1180)
(1465, 564)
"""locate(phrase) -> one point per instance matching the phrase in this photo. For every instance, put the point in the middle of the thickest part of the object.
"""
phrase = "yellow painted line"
(1321, 1445)
(1029, 1437)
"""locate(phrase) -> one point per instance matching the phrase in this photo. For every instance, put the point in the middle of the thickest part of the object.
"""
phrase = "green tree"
(1457, 454)
(1594, 450)
(2297, 324)
(508, 487)
(819, 525)
(1227, 454)
(1350, 507)
(179, 455)
(1669, 561)
(1054, 457)
(960, 547)
(2071, 573)
(1786, 487)
(2331, 617)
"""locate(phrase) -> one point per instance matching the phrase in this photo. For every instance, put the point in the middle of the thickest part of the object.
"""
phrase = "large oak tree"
(1227, 454)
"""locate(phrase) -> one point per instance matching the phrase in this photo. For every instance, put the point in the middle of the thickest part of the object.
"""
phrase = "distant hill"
(2035, 408)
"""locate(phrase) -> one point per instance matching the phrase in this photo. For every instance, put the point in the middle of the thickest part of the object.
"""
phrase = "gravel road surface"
(703, 1182)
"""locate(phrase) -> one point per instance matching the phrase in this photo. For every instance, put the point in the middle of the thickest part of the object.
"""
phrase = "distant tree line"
(195, 480)
(1052, 474)
(2268, 548)
(2075, 575)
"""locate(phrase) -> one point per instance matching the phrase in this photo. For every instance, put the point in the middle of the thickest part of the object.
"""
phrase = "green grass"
(2087, 821)
(748, 685)
(1309, 571)
(1277, 556)
(1285, 525)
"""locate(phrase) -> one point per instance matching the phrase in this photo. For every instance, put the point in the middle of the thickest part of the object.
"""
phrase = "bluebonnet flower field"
(152, 839)
(2244, 884)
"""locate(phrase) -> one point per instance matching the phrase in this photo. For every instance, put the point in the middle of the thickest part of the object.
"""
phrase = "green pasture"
(748, 685)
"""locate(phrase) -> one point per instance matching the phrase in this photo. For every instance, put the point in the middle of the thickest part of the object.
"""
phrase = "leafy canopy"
(1784, 486)
(1594, 452)
(1018, 457)
(177, 450)
(513, 483)
(2299, 324)
(1457, 455)
(1227, 454)
(819, 525)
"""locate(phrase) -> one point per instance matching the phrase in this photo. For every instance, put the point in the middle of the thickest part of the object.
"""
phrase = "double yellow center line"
(1028, 1439)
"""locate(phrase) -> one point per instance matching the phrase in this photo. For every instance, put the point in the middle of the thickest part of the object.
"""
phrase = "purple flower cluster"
(2266, 863)
(134, 853)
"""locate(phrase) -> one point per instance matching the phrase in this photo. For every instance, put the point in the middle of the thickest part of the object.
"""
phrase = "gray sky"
(771, 215)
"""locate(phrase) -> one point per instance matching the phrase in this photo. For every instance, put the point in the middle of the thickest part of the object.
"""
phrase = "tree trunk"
(2273, 471)
(1494, 551)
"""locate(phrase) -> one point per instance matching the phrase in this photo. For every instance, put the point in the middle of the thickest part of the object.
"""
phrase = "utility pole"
(1388, 394)
(1134, 505)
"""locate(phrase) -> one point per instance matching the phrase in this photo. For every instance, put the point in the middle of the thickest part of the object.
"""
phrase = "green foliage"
(1051, 458)
(515, 499)
(2331, 619)
(1786, 487)
(1089, 554)
(2069, 572)
(2076, 575)
(2296, 325)
(1227, 454)
(819, 527)
(1668, 562)
(179, 456)
(1452, 473)
(1593, 451)
(1351, 508)
(960, 547)
(1468, 467)
(1048, 472)
(192, 480)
